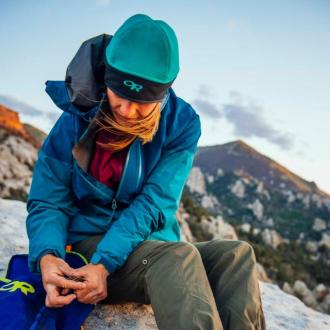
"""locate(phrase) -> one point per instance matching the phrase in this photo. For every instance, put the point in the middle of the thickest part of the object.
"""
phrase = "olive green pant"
(205, 285)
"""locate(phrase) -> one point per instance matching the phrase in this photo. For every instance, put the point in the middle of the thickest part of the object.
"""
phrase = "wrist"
(102, 268)
(46, 257)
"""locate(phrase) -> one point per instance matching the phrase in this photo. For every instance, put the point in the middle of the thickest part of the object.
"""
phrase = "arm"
(158, 200)
(50, 202)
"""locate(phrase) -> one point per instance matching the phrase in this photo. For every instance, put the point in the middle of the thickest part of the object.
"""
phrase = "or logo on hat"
(133, 86)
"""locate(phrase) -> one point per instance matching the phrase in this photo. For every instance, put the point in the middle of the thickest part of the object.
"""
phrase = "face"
(129, 109)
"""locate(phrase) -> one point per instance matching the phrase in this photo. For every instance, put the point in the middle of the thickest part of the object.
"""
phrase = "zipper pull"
(114, 204)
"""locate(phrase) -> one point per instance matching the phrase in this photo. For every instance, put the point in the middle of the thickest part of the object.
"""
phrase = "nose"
(128, 110)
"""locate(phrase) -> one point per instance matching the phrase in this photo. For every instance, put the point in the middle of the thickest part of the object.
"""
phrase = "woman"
(109, 179)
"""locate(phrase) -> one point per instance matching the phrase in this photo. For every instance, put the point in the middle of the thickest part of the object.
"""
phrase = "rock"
(320, 291)
(287, 288)
(271, 237)
(129, 316)
(262, 275)
(17, 158)
(209, 201)
(325, 305)
(218, 228)
(196, 181)
(209, 178)
(257, 209)
(13, 238)
(319, 224)
(245, 227)
(238, 189)
(220, 172)
(269, 222)
(301, 290)
(287, 312)
(262, 190)
(186, 234)
(282, 311)
(311, 246)
(325, 240)
(255, 231)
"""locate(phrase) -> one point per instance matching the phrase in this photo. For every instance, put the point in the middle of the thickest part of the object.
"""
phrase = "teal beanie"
(145, 48)
(142, 59)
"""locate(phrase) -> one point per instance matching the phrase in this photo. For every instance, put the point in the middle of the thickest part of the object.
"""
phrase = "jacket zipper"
(114, 207)
(114, 202)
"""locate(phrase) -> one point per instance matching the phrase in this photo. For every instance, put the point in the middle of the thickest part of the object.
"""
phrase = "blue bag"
(22, 300)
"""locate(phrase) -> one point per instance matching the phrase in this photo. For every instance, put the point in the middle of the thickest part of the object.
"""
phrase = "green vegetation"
(288, 263)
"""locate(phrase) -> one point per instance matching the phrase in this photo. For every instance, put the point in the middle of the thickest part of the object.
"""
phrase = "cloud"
(246, 117)
(248, 121)
(19, 106)
(202, 103)
(28, 112)
(207, 108)
(205, 91)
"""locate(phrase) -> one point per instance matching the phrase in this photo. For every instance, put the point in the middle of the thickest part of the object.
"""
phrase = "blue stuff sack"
(22, 299)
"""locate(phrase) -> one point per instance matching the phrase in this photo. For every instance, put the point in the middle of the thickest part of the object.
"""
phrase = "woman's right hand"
(53, 271)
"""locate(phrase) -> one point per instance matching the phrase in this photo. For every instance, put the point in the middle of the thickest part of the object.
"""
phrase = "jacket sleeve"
(50, 202)
(158, 200)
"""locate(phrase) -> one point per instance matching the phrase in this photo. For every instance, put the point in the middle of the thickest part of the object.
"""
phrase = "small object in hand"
(75, 278)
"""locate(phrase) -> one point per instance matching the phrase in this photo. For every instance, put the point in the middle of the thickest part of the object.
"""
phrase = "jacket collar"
(58, 93)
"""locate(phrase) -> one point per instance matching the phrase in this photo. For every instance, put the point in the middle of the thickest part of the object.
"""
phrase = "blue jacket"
(66, 204)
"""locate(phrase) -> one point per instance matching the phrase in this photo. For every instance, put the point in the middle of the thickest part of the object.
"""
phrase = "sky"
(253, 70)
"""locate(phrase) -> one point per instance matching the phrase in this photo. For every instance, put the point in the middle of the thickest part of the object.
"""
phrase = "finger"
(67, 284)
(81, 294)
(78, 273)
(66, 270)
(90, 298)
(64, 300)
(55, 300)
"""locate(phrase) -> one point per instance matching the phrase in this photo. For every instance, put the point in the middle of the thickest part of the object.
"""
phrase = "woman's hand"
(95, 278)
(53, 271)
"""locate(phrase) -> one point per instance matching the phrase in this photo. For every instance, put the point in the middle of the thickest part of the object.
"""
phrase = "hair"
(125, 130)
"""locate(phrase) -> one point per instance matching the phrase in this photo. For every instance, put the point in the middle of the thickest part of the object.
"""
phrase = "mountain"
(19, 145)
(247, 187)
(239, 156)
(35, 132)
(11, 124)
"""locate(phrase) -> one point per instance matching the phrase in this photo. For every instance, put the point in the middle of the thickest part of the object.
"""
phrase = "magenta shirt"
(107, 166)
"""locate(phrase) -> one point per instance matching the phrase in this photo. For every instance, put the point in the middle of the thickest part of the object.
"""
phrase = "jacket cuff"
(98, 259)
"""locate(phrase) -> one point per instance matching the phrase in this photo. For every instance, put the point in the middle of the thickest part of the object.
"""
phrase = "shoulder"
(60, 140)
(179, 114)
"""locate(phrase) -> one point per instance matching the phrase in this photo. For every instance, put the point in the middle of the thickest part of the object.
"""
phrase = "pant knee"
(246, 249)
(186, 251)
(240, 249)
(181, 255)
